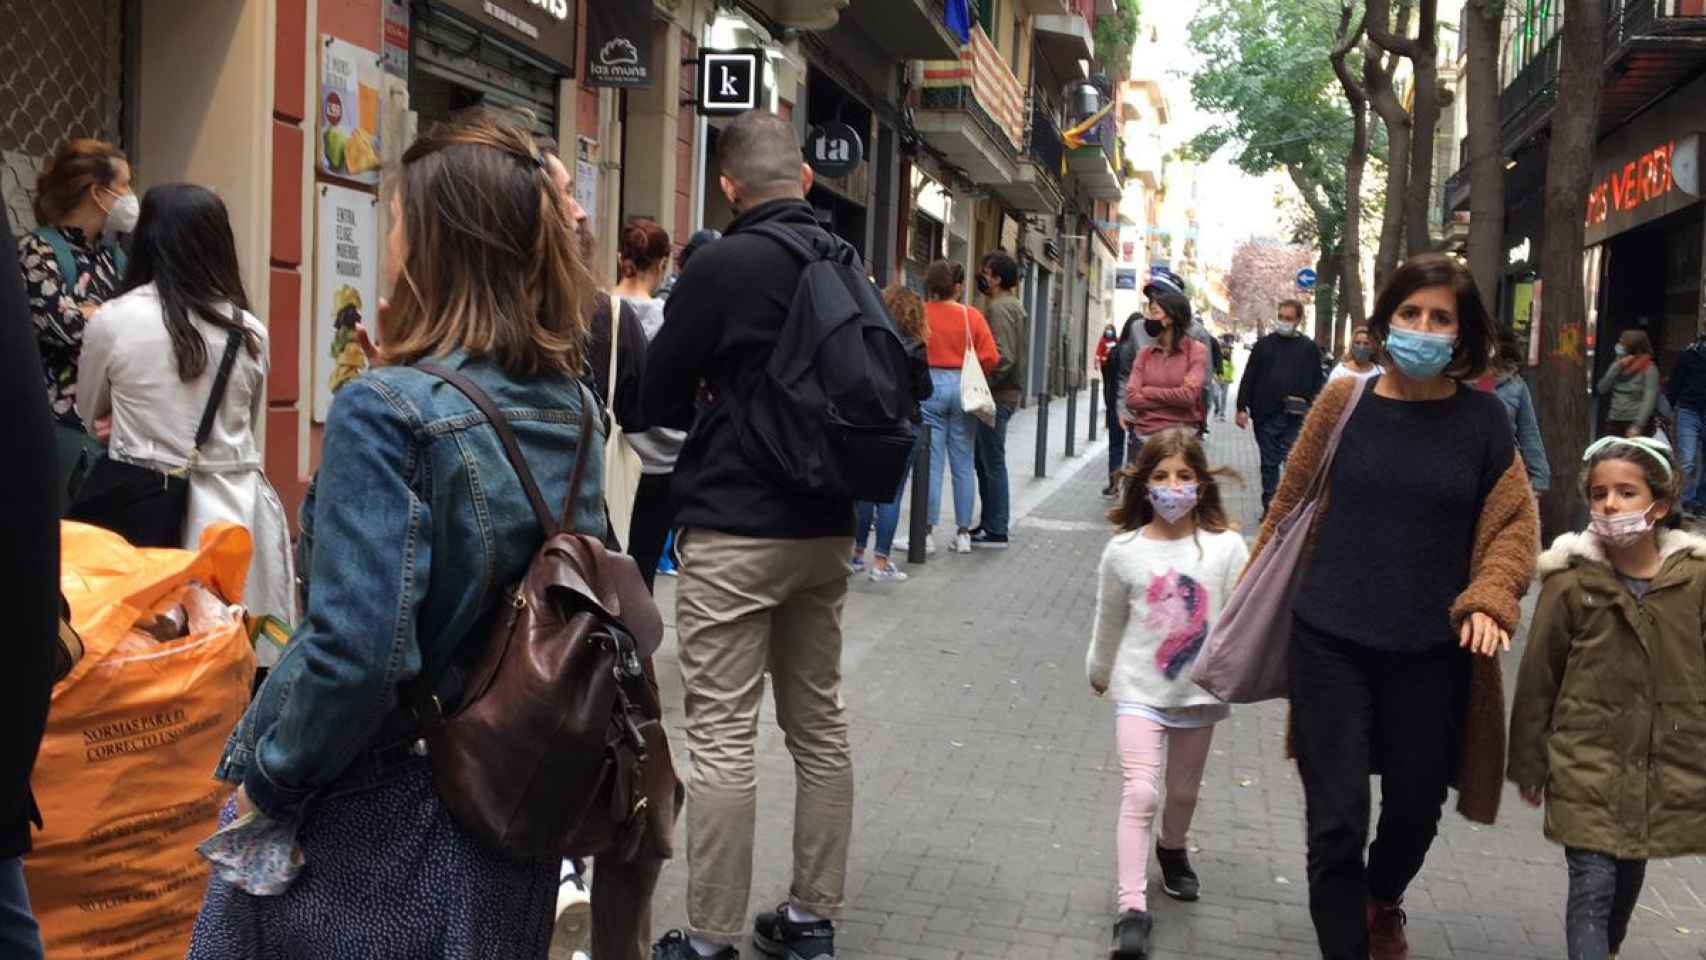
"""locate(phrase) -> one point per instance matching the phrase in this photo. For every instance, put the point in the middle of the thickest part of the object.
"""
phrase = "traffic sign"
(1306, 279)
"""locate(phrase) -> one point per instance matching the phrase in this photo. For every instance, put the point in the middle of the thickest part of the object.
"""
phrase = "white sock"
(704, 949)
(797, 915)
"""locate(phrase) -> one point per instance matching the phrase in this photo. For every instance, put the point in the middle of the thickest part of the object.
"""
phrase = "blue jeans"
(992, 486)
(19, 936)
(1274, 437)
(1116, 443)
(886, 516)
(1690, 438)
(951, 443)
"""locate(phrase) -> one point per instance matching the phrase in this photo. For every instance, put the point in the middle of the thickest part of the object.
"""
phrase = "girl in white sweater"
(1164, 577)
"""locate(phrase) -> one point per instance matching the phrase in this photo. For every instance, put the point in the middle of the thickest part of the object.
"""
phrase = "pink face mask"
(1620, 529)
(1173, 503)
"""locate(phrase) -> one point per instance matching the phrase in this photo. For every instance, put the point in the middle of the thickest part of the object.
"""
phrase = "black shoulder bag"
(146, 506)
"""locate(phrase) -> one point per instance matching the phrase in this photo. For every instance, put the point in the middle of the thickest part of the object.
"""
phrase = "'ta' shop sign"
(1660, 180)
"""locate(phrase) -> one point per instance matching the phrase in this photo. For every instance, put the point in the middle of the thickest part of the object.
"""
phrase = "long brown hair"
(908, 312)
(1134, 510)
(1477, 334)
(491, 265)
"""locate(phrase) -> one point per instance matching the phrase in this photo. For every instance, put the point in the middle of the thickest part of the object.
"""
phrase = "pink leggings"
(1140, 741)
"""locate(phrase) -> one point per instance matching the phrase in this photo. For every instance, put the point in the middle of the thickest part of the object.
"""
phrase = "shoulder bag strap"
(506, 436)
(965, 315)
(610, 371)
(568, 522)
(52, 236)
(233, 342)
(1318, 484)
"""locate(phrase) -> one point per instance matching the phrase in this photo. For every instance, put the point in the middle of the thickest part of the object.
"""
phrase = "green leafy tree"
(1115, 34)
(1268, 77)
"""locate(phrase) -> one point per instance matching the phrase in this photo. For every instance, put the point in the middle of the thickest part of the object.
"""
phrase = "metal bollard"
(1095, 394)
(919, 526)
(1071, 421)
(1042, 435)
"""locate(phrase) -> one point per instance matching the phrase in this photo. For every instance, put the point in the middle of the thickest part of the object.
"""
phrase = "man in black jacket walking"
(1281, 379)
(29, 566)
(763, 572)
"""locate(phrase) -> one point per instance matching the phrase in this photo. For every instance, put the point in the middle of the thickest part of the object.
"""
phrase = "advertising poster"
(346, 288)
(349, 111)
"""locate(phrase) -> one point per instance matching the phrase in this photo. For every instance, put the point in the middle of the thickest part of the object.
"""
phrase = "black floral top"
(57, 309)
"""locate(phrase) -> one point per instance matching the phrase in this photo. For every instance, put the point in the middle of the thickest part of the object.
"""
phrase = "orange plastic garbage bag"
(124, 779)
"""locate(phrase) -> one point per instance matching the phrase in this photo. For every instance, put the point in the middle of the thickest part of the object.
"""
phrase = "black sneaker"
(1131, 936)
(1177, 877)
(774, 934)
(674, 946)
(1110, 491)
(988, 541)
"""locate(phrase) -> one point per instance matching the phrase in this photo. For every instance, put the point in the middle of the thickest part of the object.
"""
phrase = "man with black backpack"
(788, 433)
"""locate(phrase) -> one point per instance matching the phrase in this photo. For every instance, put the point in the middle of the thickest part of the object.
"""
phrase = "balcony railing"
(1044, 137)
(1531, 93)
(980, 83)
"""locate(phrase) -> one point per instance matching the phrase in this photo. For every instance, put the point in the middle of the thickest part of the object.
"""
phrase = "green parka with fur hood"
(1610, 708)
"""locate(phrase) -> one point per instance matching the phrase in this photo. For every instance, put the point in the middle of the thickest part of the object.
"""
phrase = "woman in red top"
(1165, 386)
(951, 428)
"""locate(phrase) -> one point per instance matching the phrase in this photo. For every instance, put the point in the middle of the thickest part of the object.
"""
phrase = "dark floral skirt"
(387, 875)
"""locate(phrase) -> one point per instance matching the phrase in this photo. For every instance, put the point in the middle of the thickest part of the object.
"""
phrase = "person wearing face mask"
(1118, 368)
(1281, 379)
(1619, 616)
(72, 264)
(1165, 388)
(1631, 383)
(998, 280)
(1358, 361)
(1686, 391)
(1164, 577)
(1422, 547)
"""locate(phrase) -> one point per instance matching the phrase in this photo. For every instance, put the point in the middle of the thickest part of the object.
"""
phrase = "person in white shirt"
(1358, 361)
(1164, 578)
(150, 357)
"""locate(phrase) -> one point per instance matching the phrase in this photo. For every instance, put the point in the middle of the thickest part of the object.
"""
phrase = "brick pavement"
(988, 788)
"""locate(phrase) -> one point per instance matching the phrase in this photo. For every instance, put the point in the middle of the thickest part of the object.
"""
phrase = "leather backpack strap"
(233, 342)
(506, 436)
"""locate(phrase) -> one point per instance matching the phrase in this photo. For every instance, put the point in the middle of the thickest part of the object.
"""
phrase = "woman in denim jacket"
(337, 844)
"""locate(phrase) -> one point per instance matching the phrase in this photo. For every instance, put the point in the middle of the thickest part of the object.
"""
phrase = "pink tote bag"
(1245, 658)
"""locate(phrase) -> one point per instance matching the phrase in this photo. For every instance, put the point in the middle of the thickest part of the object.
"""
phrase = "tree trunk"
(1350, 244)
(1326, 270)
(1342, 322)
(1377, 80)
(1486, 152)
(1562, 396)
(1418, 198)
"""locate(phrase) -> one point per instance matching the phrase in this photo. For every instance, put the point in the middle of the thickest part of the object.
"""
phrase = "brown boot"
(1386, 940)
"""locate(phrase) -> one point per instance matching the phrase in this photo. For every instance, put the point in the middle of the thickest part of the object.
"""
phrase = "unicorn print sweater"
(1154, 606)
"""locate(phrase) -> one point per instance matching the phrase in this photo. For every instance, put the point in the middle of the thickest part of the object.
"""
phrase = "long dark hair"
(184, 247)
(1177, 309)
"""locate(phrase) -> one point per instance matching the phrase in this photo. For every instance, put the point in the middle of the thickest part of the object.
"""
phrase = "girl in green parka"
(1609, 721)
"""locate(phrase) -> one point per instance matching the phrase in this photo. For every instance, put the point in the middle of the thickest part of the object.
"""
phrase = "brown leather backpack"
(558, 747)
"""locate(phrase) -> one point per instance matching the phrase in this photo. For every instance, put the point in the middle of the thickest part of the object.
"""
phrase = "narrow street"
(988, 784)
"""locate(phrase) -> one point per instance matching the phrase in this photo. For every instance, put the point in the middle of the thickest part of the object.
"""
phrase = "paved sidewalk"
(988, 784)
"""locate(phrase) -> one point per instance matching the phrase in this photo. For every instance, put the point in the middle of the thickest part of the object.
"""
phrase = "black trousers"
(654, 512)
(1358, 711)
(1603, 894)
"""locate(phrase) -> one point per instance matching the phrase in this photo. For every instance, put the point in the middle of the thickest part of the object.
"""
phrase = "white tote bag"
(621, 463)
(975, 397)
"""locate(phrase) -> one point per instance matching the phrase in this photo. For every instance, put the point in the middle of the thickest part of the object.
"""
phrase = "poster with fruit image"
(346, 288)
(349, 111)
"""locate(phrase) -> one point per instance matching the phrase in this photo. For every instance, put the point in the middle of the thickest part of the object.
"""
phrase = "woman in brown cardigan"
(1420, 553)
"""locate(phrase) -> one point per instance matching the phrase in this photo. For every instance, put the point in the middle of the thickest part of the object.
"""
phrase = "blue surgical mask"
(1620, 350)
(1421, 356)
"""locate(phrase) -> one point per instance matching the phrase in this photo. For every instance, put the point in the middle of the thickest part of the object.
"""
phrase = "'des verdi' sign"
(619, 45)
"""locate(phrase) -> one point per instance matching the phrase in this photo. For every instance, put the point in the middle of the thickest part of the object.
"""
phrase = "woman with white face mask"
(1358, 361)
(1422, 545)
(72, 264)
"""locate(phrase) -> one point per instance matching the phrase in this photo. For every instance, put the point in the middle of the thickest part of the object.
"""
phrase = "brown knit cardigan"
(1507, 541)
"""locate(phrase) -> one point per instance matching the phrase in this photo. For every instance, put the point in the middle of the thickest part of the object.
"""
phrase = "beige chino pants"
(745, 605)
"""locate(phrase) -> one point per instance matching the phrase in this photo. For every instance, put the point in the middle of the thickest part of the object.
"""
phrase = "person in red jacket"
(1165, 388)
(953, 432)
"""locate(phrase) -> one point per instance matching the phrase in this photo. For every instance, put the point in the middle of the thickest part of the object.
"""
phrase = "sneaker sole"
(771, 948)
(989, 546)
(573, 929)
(1180, 895)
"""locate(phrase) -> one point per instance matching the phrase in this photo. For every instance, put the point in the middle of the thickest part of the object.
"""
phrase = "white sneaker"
(573, 929)
(902, 546)
(962, 542)
(890, 573)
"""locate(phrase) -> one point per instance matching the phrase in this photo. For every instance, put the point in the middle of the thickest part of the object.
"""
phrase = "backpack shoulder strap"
(51, 236)
(233, 342)
(792, 241)
(506, 436)
(575, 475)
(120, 261)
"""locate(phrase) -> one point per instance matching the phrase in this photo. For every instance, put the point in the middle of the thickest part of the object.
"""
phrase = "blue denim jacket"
(1519, 403)
(411, 531)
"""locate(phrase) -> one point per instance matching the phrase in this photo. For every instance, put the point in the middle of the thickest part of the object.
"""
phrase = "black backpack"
(831, 414)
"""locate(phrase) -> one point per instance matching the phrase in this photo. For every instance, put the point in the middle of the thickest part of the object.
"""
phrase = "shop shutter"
(446, 50)
(63, 79)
